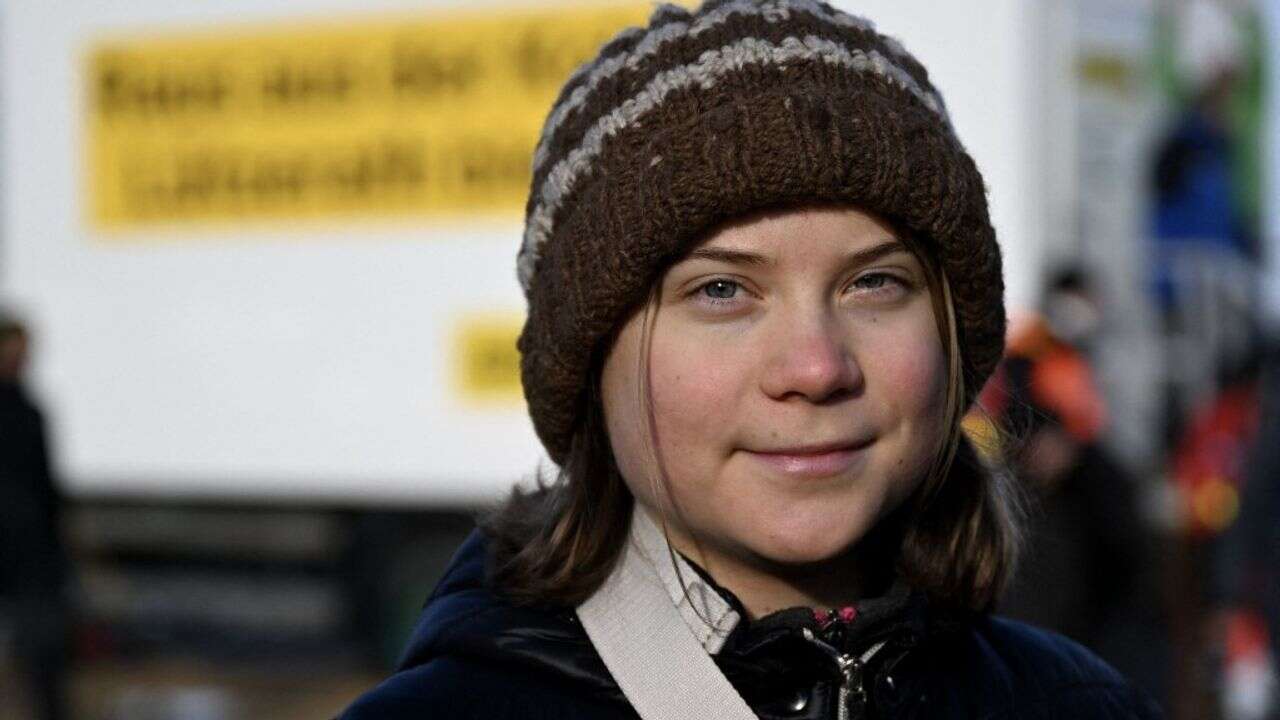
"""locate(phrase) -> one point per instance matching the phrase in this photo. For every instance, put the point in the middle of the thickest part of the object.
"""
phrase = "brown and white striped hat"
(709, 114)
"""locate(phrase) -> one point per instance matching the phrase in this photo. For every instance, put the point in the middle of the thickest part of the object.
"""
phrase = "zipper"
(853, 692)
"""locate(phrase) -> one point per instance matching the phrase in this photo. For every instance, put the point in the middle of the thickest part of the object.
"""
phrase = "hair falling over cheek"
(965, 515)
(658, 478)
(953, 402)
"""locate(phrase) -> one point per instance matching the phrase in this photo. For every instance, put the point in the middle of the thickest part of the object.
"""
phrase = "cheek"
(916, 369)
(623, 412)
(694, 386)
(911, 385)
(919, 375)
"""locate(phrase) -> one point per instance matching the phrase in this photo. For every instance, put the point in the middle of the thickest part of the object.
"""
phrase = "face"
(797, 385)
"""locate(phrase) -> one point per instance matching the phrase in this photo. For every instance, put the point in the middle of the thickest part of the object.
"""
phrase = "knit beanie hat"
(706, 115)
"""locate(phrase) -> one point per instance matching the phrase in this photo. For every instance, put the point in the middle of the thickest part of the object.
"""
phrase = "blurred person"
(763, 287)
(1206, 198)
(1087, 570)
(33, 563)
(1210, 67)
(1238, 508)
(1074, 314)
(1211, 459)
(1212, 468)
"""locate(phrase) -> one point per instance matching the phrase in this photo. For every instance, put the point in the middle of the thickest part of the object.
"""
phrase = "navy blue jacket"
(473, 655)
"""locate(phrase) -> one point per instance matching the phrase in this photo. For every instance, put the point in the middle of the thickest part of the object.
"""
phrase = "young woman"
(763, 289)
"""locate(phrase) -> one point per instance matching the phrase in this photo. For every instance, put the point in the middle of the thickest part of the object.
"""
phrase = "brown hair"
(961, 531)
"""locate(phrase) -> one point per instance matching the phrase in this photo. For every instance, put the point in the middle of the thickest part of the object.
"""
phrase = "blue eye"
(720, 289)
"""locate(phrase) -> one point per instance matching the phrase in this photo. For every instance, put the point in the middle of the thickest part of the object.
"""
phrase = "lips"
(813, 460)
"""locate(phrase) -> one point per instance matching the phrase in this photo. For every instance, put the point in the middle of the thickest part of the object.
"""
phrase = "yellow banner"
(434, 116)
(486, 363)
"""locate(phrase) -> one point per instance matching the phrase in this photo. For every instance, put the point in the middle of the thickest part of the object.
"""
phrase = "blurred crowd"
(1170, 571)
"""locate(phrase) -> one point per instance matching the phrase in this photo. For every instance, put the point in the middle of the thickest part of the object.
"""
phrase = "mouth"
(813, 460)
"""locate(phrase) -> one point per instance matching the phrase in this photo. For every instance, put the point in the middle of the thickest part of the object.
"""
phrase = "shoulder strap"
(662, 669)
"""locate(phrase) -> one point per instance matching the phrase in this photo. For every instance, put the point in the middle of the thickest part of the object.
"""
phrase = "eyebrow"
(735, 257)
(742, 257)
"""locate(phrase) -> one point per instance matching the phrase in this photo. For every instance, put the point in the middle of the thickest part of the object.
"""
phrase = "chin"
(802, 539)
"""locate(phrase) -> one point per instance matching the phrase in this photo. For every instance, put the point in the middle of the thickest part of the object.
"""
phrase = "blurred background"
(258, 309)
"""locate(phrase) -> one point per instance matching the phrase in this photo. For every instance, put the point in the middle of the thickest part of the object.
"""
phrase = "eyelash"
(889, 279)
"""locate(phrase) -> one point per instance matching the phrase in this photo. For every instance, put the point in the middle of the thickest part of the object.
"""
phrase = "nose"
(810, 359)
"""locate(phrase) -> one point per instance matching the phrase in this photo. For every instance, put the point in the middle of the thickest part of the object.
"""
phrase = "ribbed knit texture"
(710, 114)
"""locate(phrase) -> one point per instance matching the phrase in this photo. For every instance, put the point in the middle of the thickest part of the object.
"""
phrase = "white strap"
(660, 666)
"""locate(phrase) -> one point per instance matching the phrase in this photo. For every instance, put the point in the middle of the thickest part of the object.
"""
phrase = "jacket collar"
(717, 618)
(710, 616)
